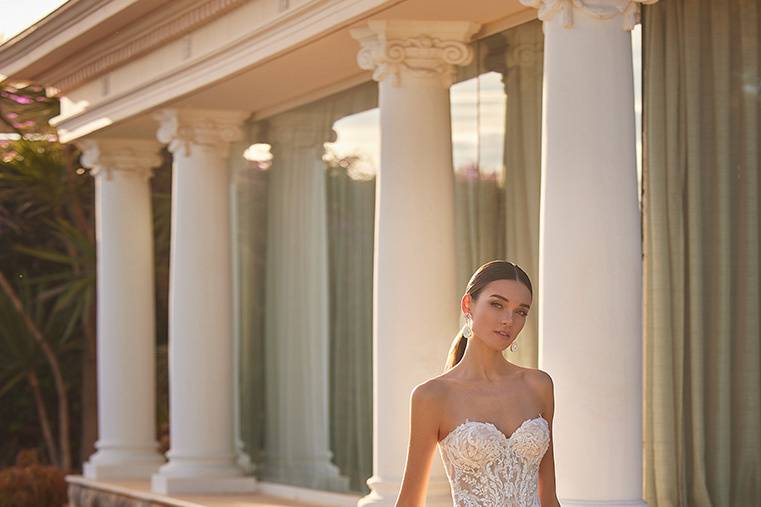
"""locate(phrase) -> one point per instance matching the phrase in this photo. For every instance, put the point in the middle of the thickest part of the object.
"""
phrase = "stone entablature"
(228, 37)
(136, 40)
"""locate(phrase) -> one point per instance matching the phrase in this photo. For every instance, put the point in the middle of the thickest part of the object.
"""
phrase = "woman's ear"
(465, 303)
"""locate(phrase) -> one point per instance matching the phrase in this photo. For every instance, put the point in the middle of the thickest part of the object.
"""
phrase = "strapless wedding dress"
(486, 468)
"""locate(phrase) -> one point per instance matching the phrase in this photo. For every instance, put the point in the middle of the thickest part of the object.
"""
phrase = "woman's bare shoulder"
(542, 385)
(539, 377)
(434, 389)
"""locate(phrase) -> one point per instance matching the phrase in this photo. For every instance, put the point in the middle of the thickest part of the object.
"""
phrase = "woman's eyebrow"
(501, 297)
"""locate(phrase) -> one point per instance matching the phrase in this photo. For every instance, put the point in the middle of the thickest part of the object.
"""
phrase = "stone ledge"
(96, 493)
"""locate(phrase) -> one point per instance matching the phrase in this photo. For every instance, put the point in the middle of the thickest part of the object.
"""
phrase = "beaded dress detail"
(486, 468)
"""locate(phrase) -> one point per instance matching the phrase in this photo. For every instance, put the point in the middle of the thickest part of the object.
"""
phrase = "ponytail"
(456, 351)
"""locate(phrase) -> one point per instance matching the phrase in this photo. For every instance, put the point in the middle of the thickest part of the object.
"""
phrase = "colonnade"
(589, 268)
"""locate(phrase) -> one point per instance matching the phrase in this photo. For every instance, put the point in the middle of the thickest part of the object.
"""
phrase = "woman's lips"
(503, 334)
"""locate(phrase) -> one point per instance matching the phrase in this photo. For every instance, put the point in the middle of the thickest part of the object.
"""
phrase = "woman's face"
(499, 313)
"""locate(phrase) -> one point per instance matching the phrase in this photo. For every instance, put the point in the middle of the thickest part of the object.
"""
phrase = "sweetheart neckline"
(507, 439)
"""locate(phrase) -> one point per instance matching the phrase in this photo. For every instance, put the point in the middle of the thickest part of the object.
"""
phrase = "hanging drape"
(524, 56)
(351, 227)
(701, 90)
(351, 212)
(249, 227)
(497, 215)
(479, 217)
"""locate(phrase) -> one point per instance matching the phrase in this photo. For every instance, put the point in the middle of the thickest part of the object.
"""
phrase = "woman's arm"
(547, 493)
(424, 430)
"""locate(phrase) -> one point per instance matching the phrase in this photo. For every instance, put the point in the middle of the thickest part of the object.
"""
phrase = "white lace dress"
(486, 468)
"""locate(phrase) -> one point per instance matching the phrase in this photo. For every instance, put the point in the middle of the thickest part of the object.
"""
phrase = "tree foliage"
(47, 275)
(25, 109)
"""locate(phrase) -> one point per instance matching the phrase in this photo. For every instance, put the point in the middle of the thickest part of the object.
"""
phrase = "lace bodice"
(485, 468)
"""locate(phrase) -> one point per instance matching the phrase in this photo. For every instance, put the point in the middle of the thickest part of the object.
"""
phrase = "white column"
(202, 455)
(590, 251)
(297, 313)
(414, 230)
(126, 446)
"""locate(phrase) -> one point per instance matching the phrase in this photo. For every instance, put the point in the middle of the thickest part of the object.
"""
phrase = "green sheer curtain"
(351, 213)
(497, 212)
(524, 56)
(701, 186)
(249, 234)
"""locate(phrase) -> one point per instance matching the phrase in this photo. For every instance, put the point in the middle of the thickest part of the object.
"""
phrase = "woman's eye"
(496, 305)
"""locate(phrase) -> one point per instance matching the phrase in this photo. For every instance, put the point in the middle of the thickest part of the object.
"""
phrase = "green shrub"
(32, 486)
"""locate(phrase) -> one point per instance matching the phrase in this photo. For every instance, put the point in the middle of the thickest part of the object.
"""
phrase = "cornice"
(293, 27)
(59, 28)
(105, 156)
(170, 23)
(391, 48)
(600, 9)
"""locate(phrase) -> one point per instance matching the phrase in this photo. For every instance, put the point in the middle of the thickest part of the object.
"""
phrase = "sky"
(16, 15)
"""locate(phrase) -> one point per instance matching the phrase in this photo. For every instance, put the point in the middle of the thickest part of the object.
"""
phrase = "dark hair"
(489, 272)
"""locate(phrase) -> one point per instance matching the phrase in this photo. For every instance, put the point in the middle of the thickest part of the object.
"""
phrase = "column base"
(123, 464)
(385, 493)
(201, 475)
(202, 485)
(121, 470)
(603, 503)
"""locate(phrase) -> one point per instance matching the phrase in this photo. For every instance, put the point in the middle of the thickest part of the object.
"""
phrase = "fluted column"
(202, 455)
(414, 230)
(590, 251)
(126, 446)
(297, 318)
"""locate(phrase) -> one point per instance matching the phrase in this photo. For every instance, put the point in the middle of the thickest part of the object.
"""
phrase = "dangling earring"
(467, 331)
(514, 345)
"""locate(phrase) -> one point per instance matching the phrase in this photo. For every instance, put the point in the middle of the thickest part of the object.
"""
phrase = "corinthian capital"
(600, 9)
(133, 156)
(392, 48)
(183, 129)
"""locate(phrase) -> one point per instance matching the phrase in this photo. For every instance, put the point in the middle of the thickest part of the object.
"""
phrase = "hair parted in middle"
(483, 276)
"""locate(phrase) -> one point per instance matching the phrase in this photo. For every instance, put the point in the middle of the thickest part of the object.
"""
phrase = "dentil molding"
(184, 129)
(169, 23)
(132, 156)
(391, 48)
(629, 9)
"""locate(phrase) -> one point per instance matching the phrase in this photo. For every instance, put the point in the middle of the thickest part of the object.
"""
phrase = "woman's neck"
(484, 364)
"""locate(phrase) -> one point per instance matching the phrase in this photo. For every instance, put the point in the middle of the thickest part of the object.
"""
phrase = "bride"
(491, 419)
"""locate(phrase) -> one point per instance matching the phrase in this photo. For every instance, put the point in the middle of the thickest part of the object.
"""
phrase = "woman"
(491, 419)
